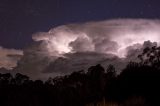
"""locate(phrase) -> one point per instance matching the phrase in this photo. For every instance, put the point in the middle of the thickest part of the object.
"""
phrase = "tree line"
(136, 85)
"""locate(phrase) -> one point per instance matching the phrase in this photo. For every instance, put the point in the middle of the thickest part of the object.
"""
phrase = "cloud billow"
(111, 36)
(74, 47)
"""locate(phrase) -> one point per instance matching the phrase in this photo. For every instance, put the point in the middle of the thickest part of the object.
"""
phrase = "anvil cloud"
(74, 47)
(111, 36)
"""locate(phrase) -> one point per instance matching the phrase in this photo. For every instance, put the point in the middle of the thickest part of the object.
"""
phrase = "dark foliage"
(139, 80)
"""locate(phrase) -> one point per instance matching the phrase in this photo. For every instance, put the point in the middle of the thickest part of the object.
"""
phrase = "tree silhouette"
(5, 78)
(21, 79)
(151, 56)
(137, 84)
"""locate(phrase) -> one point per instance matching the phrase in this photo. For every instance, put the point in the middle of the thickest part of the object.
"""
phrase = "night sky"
(69, 41)
(19, 19)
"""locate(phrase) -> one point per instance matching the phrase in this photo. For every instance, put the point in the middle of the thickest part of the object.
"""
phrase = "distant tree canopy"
(137, 82)
(151, 56)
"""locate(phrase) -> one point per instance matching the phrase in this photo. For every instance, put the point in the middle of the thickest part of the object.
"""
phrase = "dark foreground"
(137, 85)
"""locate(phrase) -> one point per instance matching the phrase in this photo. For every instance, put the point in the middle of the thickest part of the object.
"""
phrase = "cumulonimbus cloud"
(111, 36)
(73, 47)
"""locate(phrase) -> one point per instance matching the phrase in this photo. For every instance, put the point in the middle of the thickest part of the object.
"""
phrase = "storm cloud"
(74, 47)
(112, 36)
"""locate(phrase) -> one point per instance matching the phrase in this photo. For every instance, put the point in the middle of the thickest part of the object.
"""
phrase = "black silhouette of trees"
(151, 56)
(137, 82)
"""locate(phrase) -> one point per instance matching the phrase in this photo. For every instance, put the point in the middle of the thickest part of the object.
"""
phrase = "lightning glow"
(130, 39)
(113, 36)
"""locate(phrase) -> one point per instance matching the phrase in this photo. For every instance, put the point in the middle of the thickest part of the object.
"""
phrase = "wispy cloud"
(9, 57)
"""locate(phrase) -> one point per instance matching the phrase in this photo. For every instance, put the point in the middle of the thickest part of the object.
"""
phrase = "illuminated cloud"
(112, 36)
(9, 57)
(74, 47)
